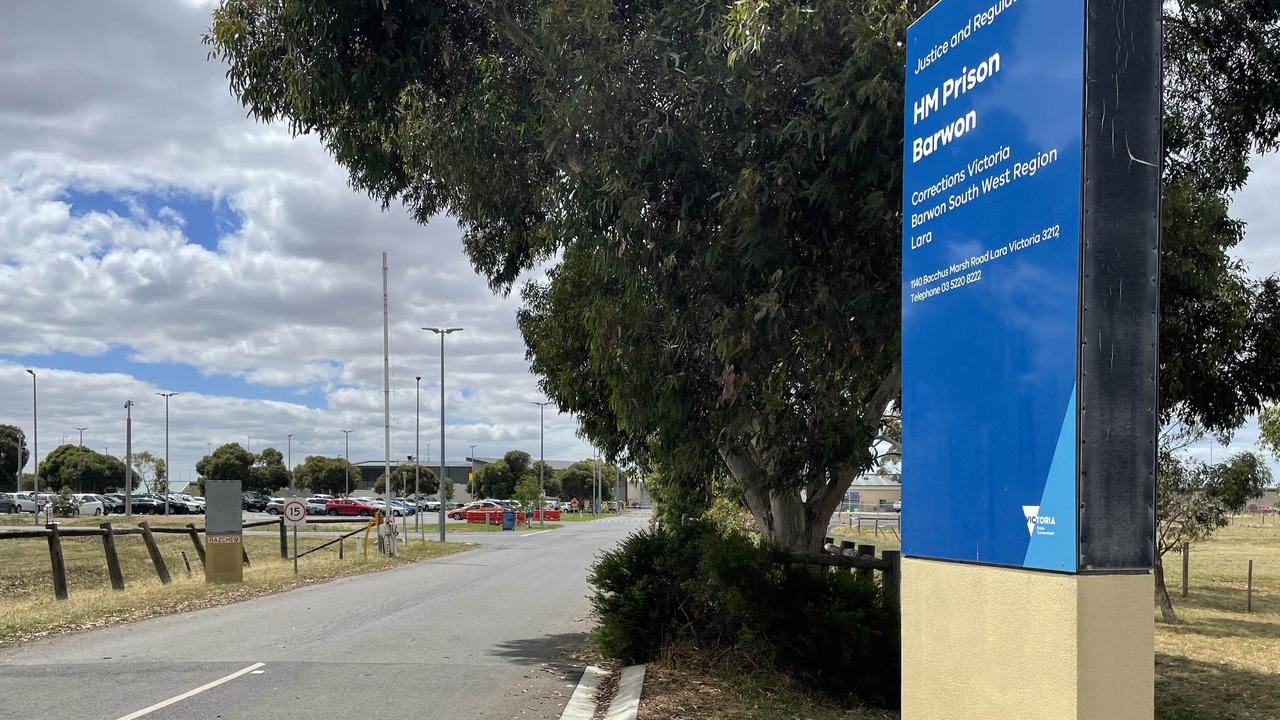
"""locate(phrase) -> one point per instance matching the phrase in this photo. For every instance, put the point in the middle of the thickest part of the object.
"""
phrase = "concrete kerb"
(624, 705)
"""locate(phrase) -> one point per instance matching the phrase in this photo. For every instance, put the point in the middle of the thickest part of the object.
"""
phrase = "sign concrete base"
(224, 558)
(981, 642)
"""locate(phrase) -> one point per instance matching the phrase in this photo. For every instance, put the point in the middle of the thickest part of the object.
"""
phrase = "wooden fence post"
(1249, 606)
(244, 555)
(1186, 567)
(57, 562)
(113, 558)
(846, 545)
(866, 551)
(195, 540)
(891, 579)
(154, 551)
(284, 544)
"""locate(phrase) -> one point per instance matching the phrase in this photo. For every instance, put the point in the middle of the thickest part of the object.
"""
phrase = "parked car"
(349, 506)
(381, 505)
(405, 507)
(110, 506)
(461, 513)
(191, 500)
(11, 504)
(317, 505)
(551, 503)
(142, 504)
(253, 502)
(89, 505)
(275, 506)
(21, 502)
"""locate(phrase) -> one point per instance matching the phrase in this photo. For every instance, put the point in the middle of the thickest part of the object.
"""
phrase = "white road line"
(191, 693)
(583, 703)
(535, 533)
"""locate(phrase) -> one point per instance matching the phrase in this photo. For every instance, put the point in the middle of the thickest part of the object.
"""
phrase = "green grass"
(28, 608)
(1221, 662)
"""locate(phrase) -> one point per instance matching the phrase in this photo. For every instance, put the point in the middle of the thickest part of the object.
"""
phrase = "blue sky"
(204, 219)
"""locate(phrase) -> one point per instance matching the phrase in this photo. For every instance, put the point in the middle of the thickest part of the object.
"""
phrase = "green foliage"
(529, 495)
(1269, 430)
(326, 475)
(82, 469)
(1195, 499)
(64, 505)
(14, 455)
(268, 473)
(693, 584)
(402, 481)
(578, 480)
(151, 472)
(720, 186)
(229, 462)
(499, 479)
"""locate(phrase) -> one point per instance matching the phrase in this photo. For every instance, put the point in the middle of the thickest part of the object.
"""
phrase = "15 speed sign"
(294, 512)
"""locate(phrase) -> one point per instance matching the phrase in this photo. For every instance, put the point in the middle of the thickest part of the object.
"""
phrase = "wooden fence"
(861, 559)
(54, 532)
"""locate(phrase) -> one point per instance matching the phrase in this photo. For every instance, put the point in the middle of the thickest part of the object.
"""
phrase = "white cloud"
(120, 98)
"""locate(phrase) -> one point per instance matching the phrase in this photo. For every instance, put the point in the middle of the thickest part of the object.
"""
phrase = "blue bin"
(508, 520)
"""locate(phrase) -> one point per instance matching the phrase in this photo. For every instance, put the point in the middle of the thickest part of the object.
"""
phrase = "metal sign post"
(294, 513)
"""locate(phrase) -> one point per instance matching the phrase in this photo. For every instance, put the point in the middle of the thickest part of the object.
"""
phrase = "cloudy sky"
(152, 238)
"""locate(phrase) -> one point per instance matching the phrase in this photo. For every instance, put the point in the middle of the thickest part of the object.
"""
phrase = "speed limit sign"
(294, 512)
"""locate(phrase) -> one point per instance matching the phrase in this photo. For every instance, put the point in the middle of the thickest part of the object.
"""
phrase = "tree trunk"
(786, 521)
(1162, 595)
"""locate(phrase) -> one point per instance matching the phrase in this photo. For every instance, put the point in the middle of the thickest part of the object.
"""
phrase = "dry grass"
(690, 689)
(1223, 663)
(28, 609)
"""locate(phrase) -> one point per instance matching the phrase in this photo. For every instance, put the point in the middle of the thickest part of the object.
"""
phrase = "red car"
(349, 506)
(461, 513)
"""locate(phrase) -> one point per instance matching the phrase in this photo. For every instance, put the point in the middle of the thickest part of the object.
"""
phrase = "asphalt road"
(481, 634)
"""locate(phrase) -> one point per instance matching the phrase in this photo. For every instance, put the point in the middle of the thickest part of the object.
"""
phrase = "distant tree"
(402, 481)
(82, 469)
(529, 496)
(14, 455)
(327, 475)
(499, 479)
(151, 472)
(228, 462)
(1194, 500)
(578, 480)
(550, 477)
(1269, 430)
(268, 473)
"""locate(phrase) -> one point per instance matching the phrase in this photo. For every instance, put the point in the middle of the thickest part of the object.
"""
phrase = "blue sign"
(990, 288)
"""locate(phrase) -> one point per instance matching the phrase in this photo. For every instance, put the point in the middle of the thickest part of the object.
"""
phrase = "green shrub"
(64, 505)
(696, 585)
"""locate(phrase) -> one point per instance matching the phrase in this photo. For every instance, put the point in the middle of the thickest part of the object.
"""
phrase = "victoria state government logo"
(1036, 520)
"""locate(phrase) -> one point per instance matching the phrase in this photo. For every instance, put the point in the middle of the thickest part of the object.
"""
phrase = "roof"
(425, 463)
(553, 464)
(877, 481)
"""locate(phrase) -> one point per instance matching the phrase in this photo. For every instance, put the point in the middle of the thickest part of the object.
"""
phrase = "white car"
(88, 504)
(24, 502)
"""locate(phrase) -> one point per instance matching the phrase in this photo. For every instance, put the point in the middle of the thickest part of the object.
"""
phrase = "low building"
(371, 470)
(873, 493)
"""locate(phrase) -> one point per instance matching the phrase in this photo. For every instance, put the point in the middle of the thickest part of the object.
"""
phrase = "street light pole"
(542, 461)
(347, 433)
(81, 429)
(417, 450)
(166, 397)
(35, 448)
(288, 449)
(442, 332)
(128, 459)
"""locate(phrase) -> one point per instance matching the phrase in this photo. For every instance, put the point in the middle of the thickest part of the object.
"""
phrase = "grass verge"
(687, 688)
(28, 609)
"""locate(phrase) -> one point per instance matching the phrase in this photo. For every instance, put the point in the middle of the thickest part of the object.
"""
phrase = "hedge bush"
(694, 585)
